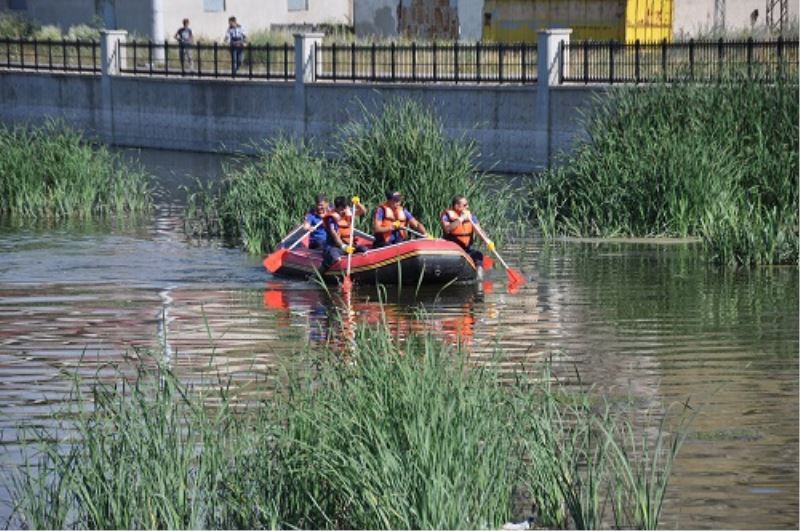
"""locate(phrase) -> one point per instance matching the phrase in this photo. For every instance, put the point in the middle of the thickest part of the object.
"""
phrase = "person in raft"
(338, 226)
(459, 225)
(314, 222)
(390, 221)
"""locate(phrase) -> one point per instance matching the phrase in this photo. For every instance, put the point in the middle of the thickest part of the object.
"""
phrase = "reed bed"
(388, 434)
(402, 147)
(52, 172)
(715, 161)
(262, 198)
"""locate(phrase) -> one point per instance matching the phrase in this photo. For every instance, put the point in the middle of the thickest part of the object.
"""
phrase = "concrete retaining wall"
(33, 98)
(228, 116)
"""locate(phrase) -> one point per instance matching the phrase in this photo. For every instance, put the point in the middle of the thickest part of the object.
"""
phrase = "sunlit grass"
(52, 172)
(402, 146)
(387, 434)
(716, 161)
(262, 198)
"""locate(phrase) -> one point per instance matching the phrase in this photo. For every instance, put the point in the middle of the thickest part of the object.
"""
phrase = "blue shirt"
(318, 235)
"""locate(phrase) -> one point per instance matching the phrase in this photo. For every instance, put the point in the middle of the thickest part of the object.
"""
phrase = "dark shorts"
(476, 256)
(332, 253)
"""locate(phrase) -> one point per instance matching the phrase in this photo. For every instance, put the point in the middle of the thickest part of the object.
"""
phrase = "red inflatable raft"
(435, 261)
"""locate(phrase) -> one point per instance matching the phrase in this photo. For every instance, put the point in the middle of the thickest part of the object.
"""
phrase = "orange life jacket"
(344, 223)
(389, 217)
(463, 234)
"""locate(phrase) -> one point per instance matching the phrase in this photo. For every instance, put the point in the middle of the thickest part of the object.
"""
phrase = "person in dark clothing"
(339, 226)
(314, 222)
(236, 38)
(185, 39)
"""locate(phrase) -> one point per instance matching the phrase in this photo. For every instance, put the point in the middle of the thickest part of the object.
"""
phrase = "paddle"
(515, 278)
(347, 283)
(274, 261)
(415, 233)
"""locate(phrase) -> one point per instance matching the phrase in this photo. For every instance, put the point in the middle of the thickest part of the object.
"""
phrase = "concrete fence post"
(111, 55)
(305, 71)
(305, 62)
(157, 32)
(548, 47)
(549, 69)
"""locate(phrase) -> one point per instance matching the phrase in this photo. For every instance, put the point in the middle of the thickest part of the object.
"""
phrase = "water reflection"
(334, 313)
(651, 322)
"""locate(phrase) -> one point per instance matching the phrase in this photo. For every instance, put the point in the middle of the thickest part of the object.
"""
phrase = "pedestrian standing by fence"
(185, 39)
(236, 38)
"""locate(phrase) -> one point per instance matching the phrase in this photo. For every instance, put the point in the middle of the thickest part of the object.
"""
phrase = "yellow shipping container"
(600, 20)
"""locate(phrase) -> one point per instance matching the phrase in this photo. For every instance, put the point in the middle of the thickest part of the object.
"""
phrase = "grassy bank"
(719, 162)
(388, 435)
(19, 26)
(402, 146)
(52, 172)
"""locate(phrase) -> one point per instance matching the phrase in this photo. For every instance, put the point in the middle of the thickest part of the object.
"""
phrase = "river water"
(652, 321)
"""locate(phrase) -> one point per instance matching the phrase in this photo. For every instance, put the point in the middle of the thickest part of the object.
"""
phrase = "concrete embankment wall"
(228, 116)
(515, 128)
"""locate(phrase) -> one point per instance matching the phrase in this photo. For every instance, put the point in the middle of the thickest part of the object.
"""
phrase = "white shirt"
(235, 34)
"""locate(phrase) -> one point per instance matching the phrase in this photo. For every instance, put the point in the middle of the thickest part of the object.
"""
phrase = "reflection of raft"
(435, 261)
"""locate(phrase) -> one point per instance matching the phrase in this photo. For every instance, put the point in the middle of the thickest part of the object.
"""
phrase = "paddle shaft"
(309, 231)
(350, 243)
(486, 241)
(274, 261)
(412, 231)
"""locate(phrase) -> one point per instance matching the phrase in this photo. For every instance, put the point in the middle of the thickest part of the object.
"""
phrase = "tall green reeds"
(388, 434)
(403, 146)
(715, 161)
(51, 171)
(401, 437)
(261, 199)
(400, 147)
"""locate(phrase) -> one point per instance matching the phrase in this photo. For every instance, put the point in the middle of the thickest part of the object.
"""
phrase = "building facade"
(703, 17)
(621, 20)
(159, 19)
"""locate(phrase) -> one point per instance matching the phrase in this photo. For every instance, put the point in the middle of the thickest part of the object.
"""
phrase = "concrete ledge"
(223, 115)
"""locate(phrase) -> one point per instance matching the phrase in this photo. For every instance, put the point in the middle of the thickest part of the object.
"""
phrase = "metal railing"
(206, 60)
(581, 62)
(452, 62)
(692, 61)
(49, 55)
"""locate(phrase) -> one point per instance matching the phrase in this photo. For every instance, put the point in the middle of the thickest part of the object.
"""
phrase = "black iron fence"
(49, 55)
(701, 61)
(450, 62)
(207, 60)
(581, 62)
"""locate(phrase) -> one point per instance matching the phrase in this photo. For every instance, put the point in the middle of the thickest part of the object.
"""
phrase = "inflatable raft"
(413, 262)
